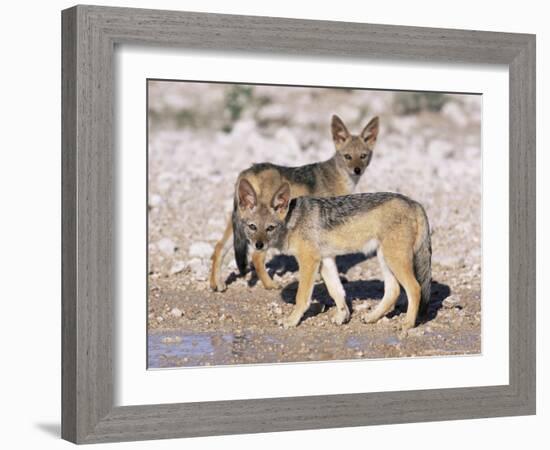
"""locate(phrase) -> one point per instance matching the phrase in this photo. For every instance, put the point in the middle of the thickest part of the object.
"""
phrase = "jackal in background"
(337, 176)
(315, 230)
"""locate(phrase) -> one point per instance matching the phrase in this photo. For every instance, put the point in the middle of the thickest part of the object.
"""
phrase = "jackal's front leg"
(258, 259)
(309, 266)
(216, 280)
(329, 272)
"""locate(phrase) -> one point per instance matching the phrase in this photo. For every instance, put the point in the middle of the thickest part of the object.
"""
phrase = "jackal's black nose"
(259, 245)
(357, 170)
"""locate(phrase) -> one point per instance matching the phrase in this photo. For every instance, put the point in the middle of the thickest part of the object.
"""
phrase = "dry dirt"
(201, 136)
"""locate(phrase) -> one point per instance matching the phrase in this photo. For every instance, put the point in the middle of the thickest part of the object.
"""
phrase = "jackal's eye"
(363, 155)
(252, 227)
(347, 156)
(270, 228)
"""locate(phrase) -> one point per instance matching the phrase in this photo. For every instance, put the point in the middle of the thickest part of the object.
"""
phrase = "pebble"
(176, 312)
(171, 340)
(160, 319)
(155, 200)
(451, 302)
(166, 246)
(177, 267)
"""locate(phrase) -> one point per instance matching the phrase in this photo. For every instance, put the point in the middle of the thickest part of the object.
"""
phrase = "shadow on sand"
(368, 290)
(360, 289)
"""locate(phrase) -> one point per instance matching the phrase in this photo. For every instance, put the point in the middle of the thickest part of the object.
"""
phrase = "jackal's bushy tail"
(240, 244)
(422, 261)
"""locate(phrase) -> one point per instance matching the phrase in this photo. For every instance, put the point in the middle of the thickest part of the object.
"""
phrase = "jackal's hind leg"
(401, 265)
(391, 293)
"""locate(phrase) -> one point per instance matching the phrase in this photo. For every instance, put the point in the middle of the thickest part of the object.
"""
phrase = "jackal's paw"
(217, 285)
(340, 316)
(408, 324)
(272, 284)
(290, 321)
(369, 318)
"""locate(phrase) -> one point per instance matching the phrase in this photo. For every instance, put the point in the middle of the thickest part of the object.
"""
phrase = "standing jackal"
(316, 230)
(337, 176)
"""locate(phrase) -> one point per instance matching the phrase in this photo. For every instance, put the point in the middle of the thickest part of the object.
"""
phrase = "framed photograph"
(279, 224)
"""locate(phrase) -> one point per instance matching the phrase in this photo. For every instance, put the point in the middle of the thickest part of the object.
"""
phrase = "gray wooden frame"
(89, 36)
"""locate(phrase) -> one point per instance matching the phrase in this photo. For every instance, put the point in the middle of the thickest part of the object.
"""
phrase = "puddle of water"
(199, 349)
(178, 349)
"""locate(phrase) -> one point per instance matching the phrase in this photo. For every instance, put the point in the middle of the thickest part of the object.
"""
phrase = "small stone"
(166, 246)
(155, 200)
(177, 267)
(176, 312)
(362, 306)
(451, 302)
(160, 319)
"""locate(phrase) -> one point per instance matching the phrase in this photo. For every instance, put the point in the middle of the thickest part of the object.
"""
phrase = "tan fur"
(258, 259)
(308, 262)
(217, 258)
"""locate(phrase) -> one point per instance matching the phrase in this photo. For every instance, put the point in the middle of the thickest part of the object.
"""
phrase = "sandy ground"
(201, 136)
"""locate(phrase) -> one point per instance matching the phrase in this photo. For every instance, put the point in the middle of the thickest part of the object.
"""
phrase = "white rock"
(166, 246)
(155, 200)
(451, 302)
(201, 249)
(176, 312)
(177, 267)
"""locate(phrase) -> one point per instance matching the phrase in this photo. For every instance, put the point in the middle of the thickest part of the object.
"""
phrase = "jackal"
(315, 230)
(337, 176)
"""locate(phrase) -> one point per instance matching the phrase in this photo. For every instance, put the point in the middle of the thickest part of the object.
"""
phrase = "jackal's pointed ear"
(247, 195)
(339, 131)
(370, 133)
(281, 198)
